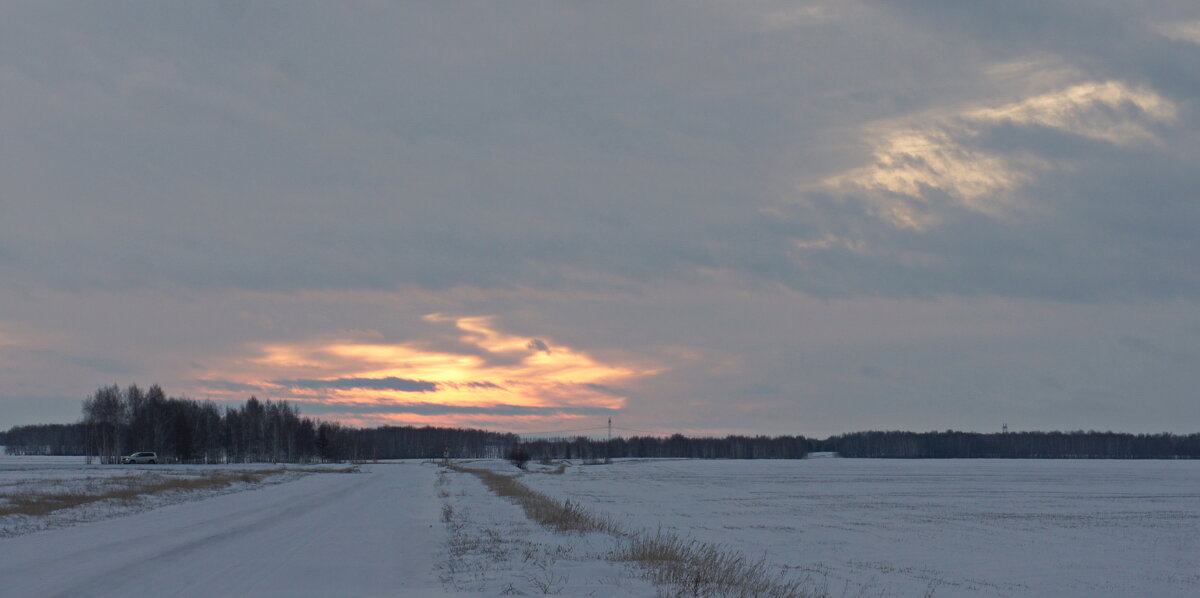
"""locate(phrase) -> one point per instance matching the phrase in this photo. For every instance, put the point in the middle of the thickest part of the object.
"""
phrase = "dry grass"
(127, 488)
(562, 517)
(689, 568)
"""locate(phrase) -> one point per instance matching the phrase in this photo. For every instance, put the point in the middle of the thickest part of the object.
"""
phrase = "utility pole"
(608, 445)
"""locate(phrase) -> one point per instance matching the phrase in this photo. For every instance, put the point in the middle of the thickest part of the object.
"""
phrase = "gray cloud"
(1108, 38)
(100, 364)
(440, 409)
(181, 184)
(552, 151)
(233, 386)
(23, 411)
(606, 390)
(388, 383)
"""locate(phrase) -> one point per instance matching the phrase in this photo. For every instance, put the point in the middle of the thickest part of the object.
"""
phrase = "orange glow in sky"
(484, 377)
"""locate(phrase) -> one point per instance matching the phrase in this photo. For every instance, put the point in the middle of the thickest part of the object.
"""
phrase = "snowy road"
(375, 533)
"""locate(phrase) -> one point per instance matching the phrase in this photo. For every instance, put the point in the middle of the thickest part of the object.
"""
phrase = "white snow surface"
(493, 549)
(42, 476)
(373, 533)
(1064, 528)
(857, 527)
(394, 529)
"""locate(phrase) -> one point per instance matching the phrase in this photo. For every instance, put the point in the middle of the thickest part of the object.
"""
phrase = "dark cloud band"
(439, 409)
(389, 383)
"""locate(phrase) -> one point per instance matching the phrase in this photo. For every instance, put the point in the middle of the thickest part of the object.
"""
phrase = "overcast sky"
(751, 217)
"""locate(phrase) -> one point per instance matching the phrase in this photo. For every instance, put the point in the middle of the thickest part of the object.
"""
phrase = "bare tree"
(104, 413)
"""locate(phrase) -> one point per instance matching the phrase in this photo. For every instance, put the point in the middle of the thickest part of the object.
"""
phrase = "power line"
(634, 430)
(613, 427)
(560, 431)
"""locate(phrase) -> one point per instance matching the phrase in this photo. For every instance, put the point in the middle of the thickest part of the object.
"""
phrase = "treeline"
(676, 446)
(44, 439)
(1012, 445)
(122, 421)
(118, 422)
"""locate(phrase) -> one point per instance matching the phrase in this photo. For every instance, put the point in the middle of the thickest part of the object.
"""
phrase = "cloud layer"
(272, 197)
(548, 152)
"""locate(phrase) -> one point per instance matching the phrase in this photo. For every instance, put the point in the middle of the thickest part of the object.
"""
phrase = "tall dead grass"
(686, 567)
(561, 517)
(128, 488)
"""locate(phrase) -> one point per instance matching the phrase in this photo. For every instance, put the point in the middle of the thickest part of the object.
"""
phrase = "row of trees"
(676, 446)
(1013, 445)
(122, 421)
(117, 422)
(45, 439)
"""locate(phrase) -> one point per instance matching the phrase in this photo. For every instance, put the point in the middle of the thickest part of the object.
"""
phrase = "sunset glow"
(491, 379)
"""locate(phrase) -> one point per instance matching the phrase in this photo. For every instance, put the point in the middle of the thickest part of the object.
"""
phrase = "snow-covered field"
(855, 527)
(899, 527)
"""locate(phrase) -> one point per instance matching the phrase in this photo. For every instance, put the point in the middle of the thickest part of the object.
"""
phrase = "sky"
(708, 217)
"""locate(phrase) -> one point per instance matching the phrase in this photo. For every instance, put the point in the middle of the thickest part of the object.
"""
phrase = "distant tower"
(608, 446)
(1004, 429)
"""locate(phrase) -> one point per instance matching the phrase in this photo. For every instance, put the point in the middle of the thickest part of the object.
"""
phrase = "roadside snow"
(494, 549)
(48, 476)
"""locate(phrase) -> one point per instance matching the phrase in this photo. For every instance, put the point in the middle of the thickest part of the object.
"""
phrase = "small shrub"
(518, 457)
